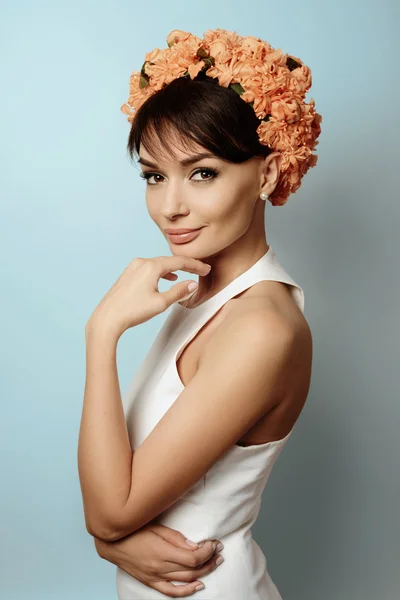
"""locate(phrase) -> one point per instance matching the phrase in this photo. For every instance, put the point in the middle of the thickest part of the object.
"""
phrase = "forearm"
(107, 550)
(104, 451)
(101, 547)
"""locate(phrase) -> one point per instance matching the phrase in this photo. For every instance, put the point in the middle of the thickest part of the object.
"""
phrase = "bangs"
(161, 137)
(199, 112)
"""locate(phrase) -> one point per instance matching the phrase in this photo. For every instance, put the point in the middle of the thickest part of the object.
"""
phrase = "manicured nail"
(200, 586)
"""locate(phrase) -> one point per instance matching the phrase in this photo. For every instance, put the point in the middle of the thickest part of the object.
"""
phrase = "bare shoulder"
(269, 319)
(266, 309)
(263, 322)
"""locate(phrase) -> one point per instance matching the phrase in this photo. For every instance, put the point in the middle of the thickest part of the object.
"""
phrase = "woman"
(191, 445)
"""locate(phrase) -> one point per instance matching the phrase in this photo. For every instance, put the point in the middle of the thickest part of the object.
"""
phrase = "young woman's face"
(206, 193)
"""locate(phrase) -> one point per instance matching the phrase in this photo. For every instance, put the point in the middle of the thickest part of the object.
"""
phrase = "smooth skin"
(156, 554)
(124, 491)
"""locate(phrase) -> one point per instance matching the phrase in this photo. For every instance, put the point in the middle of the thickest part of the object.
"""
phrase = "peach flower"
(177, 35)
(273, 83)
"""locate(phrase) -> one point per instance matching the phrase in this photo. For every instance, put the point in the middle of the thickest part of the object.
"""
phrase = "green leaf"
(202, 53)
(143, 81)
(208, 62)
(236, 87)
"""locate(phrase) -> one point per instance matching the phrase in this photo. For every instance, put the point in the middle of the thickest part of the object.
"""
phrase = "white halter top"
(225, 503)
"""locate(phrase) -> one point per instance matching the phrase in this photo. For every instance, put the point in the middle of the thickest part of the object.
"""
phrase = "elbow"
(107, 532)
(111, 527)
(108, 535)
(100, 534)
(102, 531)
(111, 534)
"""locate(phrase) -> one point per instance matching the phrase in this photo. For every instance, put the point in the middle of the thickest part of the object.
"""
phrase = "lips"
(177, 231)
(182, 238)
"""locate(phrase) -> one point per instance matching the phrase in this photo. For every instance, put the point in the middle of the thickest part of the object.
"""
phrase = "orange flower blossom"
(273, 83)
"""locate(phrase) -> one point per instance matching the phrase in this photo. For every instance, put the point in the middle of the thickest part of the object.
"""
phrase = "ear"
(270, 172)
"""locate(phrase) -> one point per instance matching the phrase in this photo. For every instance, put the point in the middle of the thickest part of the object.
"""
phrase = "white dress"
(225, 503)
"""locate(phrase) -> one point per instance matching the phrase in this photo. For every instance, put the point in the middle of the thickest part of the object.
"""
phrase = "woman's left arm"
(104, 450)
(245, 371)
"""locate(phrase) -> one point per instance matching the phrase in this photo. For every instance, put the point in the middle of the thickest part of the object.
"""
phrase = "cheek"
(231, 207)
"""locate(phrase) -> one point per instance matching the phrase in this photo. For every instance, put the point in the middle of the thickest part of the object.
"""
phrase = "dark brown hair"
(197, 110)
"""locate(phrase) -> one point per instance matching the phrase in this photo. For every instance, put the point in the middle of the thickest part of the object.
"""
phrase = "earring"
(264, 196)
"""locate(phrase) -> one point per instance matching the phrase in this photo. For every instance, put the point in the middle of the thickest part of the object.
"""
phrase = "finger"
(181, 559)
(170, 276)
(178, 292)
(183, 263)
(177, 591)
(173, 536)
(194, 574)
(203, 554)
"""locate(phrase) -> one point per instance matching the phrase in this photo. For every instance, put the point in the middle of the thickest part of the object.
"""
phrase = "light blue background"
(73, 216)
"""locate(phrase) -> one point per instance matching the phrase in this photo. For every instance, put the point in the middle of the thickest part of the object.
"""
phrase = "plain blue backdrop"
(73, 216)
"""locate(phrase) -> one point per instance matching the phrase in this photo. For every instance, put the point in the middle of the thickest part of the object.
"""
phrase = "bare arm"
(245, 371)
(104, 451)
(156, 554)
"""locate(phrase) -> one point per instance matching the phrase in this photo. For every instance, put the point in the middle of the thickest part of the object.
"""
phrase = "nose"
(173, 202)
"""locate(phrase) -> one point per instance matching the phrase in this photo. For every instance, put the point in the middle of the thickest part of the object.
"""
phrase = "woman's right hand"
(155, 554)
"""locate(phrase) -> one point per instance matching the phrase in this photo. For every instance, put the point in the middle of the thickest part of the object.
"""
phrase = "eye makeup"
(209, 170)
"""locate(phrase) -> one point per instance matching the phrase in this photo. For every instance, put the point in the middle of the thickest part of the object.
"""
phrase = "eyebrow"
(184, 163)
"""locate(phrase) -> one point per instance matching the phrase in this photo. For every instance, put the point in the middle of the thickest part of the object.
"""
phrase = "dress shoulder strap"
(266, 268)
(193, 319)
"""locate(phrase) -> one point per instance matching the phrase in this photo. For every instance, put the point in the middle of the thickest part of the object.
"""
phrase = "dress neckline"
(187, 309)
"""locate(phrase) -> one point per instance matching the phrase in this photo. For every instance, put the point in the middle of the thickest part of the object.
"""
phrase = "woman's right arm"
(155, 555)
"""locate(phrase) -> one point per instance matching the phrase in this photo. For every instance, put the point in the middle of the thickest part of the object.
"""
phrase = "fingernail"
(200, 586)
(201, 544)
(219, 546)
(219, 560)
(207, 265)
(192, 543)
(192, 286)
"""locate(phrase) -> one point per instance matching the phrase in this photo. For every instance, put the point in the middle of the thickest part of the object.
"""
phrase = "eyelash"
(146, 175)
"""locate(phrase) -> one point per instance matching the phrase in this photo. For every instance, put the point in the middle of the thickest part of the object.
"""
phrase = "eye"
(146, 175)
(211, 172)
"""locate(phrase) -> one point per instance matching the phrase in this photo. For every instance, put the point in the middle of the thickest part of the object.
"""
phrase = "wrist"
(101, 330)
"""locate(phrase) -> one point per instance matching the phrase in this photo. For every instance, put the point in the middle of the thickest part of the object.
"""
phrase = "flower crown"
(274, 84)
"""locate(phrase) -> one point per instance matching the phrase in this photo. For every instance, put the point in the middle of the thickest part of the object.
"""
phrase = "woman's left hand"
(134, 298)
